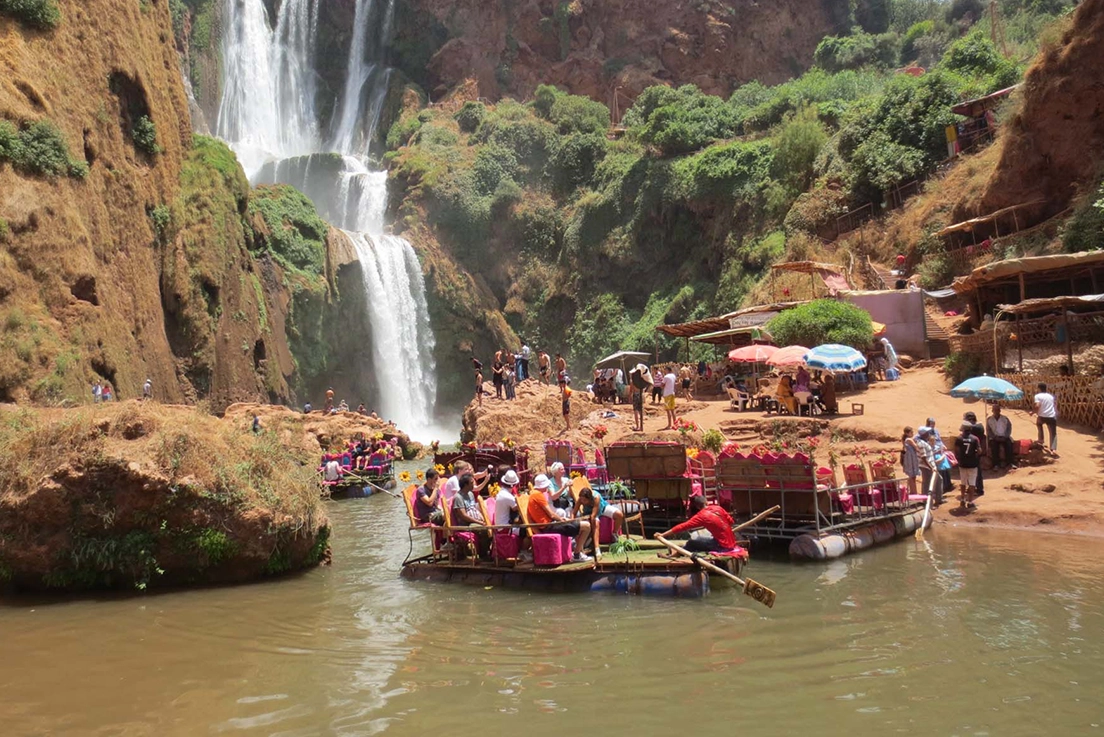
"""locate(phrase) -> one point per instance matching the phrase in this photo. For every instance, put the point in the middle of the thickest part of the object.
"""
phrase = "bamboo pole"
(767, 598)
(756, 518)
(1069, 341)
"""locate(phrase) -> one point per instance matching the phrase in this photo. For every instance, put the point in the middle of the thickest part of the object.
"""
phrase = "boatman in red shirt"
(710, 517)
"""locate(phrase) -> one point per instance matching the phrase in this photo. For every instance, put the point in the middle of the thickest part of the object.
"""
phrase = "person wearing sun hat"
(506, 500)
(544, 518)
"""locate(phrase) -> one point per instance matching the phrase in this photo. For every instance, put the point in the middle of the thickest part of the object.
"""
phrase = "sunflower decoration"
(494, 489)
(576, 475)
(439, 469)
(420, 476)
(405, 477)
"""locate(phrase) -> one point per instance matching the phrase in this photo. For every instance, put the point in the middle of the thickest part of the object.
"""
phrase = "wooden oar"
(756, 518)
(924, 519)
(752, 588)
(380, 488)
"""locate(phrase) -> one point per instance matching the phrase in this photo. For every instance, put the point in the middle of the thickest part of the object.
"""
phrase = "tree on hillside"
(823, 321)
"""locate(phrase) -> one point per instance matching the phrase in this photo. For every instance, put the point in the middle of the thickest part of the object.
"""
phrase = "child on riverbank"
(565, 396)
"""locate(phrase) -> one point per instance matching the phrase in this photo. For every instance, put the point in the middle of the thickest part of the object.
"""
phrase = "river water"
(969, 633)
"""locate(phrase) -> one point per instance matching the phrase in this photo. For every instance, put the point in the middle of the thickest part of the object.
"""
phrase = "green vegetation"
(962, 366)
(713, 440)
(145, 136)
(1084, 231)
(38, 148)
(823, 321)
(683, 215)
(41, 14)
(295, 235)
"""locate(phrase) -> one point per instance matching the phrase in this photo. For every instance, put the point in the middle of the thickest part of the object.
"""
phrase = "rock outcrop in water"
(142, 495)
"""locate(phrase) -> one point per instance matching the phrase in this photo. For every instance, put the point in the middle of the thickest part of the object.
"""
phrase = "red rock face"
(594, 47)
(1051, 147)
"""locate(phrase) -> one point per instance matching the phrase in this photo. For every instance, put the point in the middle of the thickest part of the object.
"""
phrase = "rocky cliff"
(594, 47)
(130, 249)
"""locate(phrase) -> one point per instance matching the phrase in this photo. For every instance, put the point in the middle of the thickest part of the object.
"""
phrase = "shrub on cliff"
(570, 113)
(42, 14)
(296, 235)
(680, 120)
(860, 49)
(823, 321)
(39, 148)
(145, 136)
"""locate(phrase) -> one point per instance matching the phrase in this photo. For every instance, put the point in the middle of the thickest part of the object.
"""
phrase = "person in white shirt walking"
(1046, 413)
(669, 380)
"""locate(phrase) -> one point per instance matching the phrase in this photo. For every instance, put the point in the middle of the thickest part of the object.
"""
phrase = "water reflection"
(965, 632)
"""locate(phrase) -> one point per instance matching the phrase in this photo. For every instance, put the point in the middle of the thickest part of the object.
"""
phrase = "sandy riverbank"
(1066, 495)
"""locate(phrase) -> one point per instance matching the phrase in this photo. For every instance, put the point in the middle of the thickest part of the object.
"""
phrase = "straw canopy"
(835, 357)
(792, 355)
(989, 389)
(752, 353)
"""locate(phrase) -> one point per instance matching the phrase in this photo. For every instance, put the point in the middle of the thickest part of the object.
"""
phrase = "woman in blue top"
(591, 505)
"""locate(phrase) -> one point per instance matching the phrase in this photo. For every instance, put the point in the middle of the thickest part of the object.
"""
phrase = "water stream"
(269, 114)
(968, 633)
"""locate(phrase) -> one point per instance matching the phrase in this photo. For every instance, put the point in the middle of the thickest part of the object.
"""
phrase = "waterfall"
(269, 115)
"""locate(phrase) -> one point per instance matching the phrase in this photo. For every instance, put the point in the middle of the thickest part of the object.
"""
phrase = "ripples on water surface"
(971, 633)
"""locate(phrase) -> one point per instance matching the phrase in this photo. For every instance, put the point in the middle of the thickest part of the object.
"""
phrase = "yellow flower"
(404, 476)
(421, 476)
(439, 468)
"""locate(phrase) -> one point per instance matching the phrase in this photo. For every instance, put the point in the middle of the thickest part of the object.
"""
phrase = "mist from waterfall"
(269, 114)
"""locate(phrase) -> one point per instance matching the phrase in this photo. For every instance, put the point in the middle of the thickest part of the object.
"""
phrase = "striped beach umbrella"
(835, 357)
(989, 389)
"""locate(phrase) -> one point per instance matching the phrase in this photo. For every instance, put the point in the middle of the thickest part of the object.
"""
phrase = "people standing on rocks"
(479, 385)
(509, 381)
(256, 424)
(669, 380)
(497, 376)
(1046, 414)
(526, 353)
(97, 393)
(147, 390)
(544, 366)
(639, 382)
(107, 394)
(968, 452)
(565, 396)
(361, 410)
(329, 400)
(1000, 438)
(561, 369)
(307, 408)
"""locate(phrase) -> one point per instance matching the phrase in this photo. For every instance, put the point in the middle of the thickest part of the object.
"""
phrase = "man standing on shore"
(639, 382)
(526, 353)
(544, 365)
(669, 380)
(1046, 413)
(1000, 438)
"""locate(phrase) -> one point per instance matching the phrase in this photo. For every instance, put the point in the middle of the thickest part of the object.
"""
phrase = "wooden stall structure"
(999, 288)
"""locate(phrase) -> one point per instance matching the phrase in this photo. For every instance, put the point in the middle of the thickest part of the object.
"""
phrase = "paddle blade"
(759, 592)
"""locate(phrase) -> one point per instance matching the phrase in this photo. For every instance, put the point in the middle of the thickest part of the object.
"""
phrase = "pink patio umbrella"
(752, 353)
(788, 357)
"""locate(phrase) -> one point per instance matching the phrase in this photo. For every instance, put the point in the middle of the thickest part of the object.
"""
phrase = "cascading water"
(269, 116)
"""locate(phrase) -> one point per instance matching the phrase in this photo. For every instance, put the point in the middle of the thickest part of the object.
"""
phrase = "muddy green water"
(973, 633)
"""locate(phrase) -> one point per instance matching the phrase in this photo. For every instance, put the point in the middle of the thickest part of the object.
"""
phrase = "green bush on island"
(823, 321)
(41, 14)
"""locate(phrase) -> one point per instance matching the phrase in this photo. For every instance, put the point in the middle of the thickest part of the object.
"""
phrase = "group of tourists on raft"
(555, 504)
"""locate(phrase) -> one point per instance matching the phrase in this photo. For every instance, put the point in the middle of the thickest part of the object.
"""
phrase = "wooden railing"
(1079, 401)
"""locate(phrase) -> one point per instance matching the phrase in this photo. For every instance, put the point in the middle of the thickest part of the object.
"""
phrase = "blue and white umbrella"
(989, 389)
(835, 357)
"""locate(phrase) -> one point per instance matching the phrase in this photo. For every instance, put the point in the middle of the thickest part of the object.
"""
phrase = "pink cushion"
(506, 544)
(605, 530)
(845, 501)
(463, 537)
(548, 549)
(565, 547)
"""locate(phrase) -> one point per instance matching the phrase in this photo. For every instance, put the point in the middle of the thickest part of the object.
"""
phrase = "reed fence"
(1080, 398)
